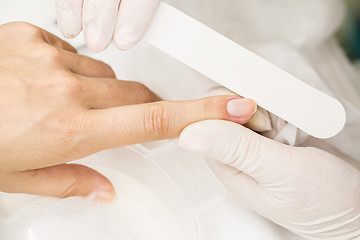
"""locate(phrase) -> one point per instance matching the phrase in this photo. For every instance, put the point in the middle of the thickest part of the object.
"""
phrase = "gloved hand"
(306, 190)
(124, 21)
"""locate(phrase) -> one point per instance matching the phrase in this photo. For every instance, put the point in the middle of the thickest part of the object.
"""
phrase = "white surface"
(245, 73)
(148, 205)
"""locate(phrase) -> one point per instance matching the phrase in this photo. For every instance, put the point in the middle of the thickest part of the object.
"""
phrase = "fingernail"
(102, 196)
(241, 107)
(195, 141)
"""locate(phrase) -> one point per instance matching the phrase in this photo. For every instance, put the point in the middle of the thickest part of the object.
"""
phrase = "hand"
(305, 190)
(57, 106)
(125, 21)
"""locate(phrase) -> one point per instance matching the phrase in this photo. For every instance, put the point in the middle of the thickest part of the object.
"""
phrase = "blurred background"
(350, 32)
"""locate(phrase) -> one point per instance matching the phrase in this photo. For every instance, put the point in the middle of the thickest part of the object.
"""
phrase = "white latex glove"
(124, 21)
(306, 190)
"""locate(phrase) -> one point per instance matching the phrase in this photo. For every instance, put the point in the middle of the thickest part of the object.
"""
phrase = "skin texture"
(306, 190)
(57, 106)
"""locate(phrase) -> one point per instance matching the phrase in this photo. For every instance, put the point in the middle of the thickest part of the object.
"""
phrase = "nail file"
(245, 73)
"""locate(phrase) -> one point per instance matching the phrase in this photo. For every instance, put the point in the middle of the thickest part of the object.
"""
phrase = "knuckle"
(67, 130)
(21, 34)
(26, 28)
(107, 69)
(69, 85)
(71, 127)
(50, 53)
(157, 120)
(239, 158)
(73, 87)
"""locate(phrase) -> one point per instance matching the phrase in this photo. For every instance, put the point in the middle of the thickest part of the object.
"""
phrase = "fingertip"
(68, 17)
(84, 181)
(95, 41)
(133, 21)
(69, 32)
(124, 40)
(241, 107)
(102, 189)
(260, 122)
(99, 20)
(105, 194)
(63, 181)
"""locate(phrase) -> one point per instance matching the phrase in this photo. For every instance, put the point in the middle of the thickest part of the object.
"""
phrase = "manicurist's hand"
(57, 106)
(308, 191)
(124, 21)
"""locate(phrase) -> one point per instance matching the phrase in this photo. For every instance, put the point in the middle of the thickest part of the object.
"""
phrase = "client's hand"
(57, 106)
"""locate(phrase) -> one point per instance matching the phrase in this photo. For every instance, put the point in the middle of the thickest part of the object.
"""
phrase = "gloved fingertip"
(68, 18)
(69, 30)
(94, 48)
(95, 41)
(193, 140)
(124, 40)
(124, 45)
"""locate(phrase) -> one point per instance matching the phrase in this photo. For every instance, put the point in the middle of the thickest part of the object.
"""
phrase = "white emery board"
(245, 73)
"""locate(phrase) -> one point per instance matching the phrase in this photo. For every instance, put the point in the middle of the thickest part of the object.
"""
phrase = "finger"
(260, 122)
(258, 157)
(62, 181)
(99, 19)
(241, 185)
(107, 93)
(133, 20)
(57, 42)
(86, 66)
(154, 121)
(68, 15)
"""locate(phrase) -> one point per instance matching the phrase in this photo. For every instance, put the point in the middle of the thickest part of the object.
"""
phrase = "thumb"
(62, 181)
(238, 147)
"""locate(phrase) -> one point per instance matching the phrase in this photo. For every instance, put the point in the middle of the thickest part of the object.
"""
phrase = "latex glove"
(124, 21)
(57, 106)
(305, 190)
